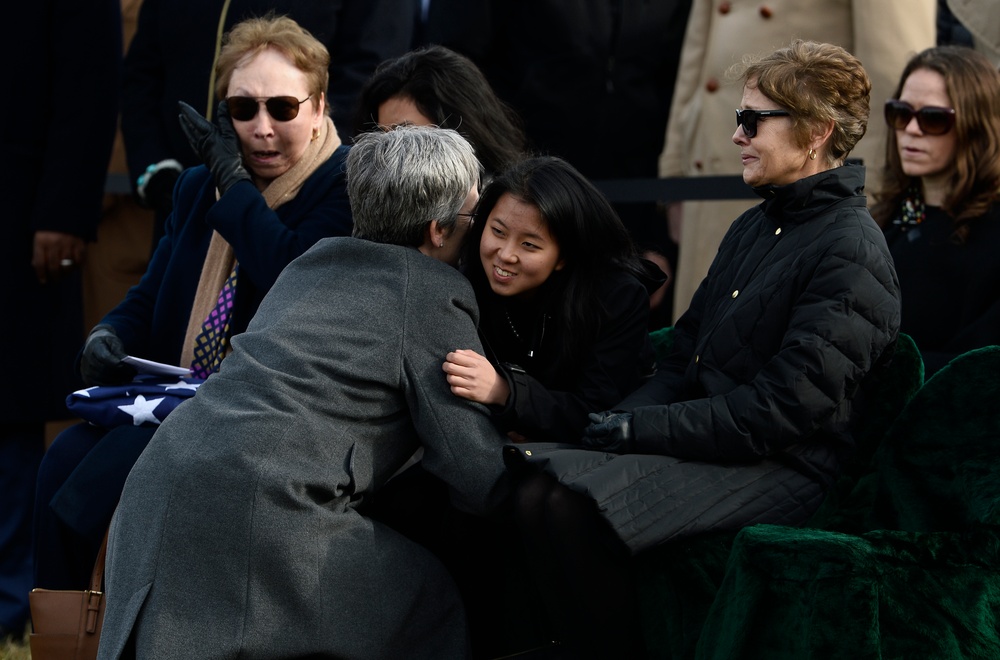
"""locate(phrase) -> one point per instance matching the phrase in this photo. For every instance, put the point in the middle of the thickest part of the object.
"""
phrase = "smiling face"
(772, 156)
(931, 157)
(400, 110)
(517, 251)
(271, 147)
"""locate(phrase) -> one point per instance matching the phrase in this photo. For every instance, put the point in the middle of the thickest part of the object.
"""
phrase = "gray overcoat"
(238, 532)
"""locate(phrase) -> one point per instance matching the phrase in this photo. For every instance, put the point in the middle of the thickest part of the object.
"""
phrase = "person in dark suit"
(59, 114)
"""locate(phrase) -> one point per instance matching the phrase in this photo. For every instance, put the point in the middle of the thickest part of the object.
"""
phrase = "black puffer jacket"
(748, 420)
(552, 393)
(800, 302)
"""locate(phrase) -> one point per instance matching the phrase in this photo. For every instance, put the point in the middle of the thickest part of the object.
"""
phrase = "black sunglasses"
(281, 108)
(932, 120)
(748, 119)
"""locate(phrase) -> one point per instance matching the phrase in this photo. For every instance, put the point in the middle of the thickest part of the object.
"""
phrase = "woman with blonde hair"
(748, 419)
(272, 185)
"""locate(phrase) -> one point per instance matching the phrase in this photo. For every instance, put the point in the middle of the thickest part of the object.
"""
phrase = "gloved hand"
(610, 431)
(218, 147)
(101, 363)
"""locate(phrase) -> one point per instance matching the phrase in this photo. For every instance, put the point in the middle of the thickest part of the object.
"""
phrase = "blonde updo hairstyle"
(817, 83)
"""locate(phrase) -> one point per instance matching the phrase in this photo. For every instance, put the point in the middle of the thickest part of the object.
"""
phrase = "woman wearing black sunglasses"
(748, 419)
(273, 184)
(939, 201)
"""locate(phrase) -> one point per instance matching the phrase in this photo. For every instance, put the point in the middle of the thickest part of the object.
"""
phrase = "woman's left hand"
(55, 253)
(471, 376)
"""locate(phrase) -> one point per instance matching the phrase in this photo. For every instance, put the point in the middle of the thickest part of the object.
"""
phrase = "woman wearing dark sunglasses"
(273, 184)
(939, 201)
(748, 419)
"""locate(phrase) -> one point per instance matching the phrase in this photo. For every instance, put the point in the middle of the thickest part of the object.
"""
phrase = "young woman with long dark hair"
(564, 303)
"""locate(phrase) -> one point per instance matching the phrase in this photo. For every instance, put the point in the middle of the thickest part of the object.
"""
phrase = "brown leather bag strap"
(95, 595)
(97, 576)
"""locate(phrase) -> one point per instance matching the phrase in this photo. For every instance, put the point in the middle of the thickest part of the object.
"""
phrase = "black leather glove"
(101, 363)
(218, 147)
(610, 431)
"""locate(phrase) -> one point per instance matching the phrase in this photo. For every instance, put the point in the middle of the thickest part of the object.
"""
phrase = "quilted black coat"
(749, 419)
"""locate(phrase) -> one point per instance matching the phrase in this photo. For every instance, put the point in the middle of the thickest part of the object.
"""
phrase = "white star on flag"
(142, 410)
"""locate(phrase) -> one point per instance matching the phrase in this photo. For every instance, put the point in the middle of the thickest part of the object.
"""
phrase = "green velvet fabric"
(924, 584)
(678, 584)
(887, 391)
(939, 466)
(803, 593)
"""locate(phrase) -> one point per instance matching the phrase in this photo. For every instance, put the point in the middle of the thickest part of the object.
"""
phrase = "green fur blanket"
(918, 576)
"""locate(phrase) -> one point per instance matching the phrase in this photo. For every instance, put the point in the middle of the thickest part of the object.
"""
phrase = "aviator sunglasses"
(748, 119)
(281, 108)
(932, 120)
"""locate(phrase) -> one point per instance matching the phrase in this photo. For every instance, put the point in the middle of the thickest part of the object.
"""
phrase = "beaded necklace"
(913, 210)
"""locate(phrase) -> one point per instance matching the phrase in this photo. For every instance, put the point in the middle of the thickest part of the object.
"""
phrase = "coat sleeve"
(263, 244)
(132, 318)
(844, 318)
(462, 447)
(668, 384)
(610, 369)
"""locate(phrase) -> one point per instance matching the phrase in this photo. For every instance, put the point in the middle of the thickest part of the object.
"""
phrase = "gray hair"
(400, 180)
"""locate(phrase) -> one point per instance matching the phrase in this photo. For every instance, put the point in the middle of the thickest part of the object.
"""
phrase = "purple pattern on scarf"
(210, 344)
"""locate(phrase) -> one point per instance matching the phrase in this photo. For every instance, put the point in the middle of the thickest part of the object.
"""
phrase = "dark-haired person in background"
(59, 114)
(436, 86)
(332, 388)
(940, 201)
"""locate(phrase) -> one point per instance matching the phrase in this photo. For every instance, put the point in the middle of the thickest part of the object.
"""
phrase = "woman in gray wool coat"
(238, 532)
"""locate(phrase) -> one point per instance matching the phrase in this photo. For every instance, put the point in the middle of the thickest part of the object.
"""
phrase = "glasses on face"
(748, 119)
(470, 216)
(932, 120)
(281, 108)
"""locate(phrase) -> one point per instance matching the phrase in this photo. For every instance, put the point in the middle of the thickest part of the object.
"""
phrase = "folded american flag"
(146, 401)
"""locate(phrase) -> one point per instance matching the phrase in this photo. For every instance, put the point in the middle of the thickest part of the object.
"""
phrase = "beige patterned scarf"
(220, 260)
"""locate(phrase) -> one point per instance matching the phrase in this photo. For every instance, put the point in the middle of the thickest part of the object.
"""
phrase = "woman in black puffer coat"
(749, 418)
